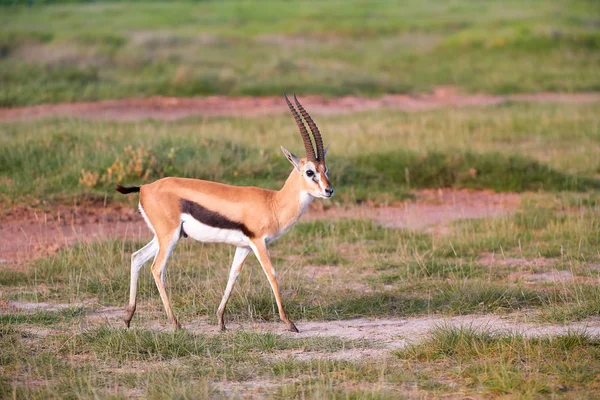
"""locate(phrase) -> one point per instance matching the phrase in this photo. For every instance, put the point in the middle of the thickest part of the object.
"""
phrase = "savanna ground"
(458, 258)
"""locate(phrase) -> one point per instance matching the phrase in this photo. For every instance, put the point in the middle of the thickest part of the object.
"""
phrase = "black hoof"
(292, 328)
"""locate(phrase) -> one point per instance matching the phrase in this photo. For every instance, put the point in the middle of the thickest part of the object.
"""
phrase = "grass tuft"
(510, 364)
(42, 317)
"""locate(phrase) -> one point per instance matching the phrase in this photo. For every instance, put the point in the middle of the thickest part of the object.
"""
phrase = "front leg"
(238, 262)
(260, 250)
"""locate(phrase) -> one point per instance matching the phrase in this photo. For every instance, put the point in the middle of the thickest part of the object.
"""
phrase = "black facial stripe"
(212, 218)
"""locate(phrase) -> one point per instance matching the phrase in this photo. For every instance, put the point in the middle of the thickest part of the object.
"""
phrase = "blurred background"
(56, 51)
(500, 94)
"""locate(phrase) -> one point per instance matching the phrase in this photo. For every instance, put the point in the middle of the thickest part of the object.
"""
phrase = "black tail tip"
(127, 190)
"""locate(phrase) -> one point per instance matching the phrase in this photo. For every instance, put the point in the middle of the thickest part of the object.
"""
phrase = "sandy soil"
(27, 233)
(172, 108)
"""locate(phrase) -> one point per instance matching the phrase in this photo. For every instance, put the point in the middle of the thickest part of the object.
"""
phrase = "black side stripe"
(212, 218)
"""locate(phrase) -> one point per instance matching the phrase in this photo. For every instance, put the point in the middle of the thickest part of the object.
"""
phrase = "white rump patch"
(146, 218)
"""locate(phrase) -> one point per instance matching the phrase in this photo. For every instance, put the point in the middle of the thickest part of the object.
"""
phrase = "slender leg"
(260, 249)
(160, 262)
(238, 262)
(137, 261)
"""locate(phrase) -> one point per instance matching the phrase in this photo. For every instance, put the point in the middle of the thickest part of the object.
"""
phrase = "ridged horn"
(308, 145)
(314, 129)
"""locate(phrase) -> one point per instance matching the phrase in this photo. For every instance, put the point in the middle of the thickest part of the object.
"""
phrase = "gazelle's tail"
(127, 190)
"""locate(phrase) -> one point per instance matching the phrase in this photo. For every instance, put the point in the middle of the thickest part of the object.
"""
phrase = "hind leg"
(166, 245)
(137, 261)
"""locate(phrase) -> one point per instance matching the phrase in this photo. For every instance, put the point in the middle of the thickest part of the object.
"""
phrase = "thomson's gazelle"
(246, 217)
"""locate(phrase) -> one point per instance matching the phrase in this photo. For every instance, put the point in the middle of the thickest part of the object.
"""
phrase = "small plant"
(89, 179)
(135, 164)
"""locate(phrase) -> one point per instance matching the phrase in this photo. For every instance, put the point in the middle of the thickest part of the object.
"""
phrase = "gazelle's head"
(312, 168)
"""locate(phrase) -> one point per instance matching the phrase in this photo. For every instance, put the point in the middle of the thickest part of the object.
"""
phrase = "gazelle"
(247, 217)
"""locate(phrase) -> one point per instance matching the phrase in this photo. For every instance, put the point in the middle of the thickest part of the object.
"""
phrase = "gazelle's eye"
(310, 173)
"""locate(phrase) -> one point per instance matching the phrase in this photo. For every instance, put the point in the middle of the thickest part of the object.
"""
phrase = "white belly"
(205, 233)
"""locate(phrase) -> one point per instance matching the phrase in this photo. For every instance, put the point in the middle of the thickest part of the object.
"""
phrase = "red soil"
(172, 108)
(26, 234)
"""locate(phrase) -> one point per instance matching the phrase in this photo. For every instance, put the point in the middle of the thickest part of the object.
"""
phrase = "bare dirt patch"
(27, 233)
(495, 260)
(432, 210)
(321, 271)
(173, 108)
(379, 335)
(533, 270)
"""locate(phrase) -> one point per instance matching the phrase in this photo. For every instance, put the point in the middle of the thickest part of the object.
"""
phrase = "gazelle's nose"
(329, 191)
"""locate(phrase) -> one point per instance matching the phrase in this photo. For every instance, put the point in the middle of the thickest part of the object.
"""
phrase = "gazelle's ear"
(295, 161)
(325, 150)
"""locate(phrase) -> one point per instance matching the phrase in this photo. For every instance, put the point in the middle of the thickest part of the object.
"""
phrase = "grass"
(548, 152)
(116, 345)
(103, 360)
(509, 365)
(237, 48)
(42, 317)
(515, 147)
(108, 362)
(389, 273)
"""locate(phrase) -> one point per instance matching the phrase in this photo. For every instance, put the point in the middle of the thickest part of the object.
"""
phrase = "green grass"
(117, 345)
(47, 54)
(452, 361)
(399, 273)
(377, 156)
(106, 360)
(389, 273)
(42, 317)
(509, 365)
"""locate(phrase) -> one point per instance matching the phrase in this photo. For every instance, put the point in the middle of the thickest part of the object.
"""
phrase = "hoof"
(292, 328)
(129, 311)
(222, 328)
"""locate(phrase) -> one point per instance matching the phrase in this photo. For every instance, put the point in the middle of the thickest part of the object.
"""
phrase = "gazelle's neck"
(291, 201)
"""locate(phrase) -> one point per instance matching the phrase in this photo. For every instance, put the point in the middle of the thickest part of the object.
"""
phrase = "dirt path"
(27, 234)
(381, 334)
(172, 108)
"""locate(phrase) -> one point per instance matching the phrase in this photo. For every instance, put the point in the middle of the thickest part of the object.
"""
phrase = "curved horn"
(313, 129)
(308, 145)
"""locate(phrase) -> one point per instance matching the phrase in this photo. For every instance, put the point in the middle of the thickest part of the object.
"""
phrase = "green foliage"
(42, 317)
(479, 171)
(88, 158)
(423, 275)
(240, 48)
(473, 297)
(12, 278)
(123, 346)
(511, 365)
